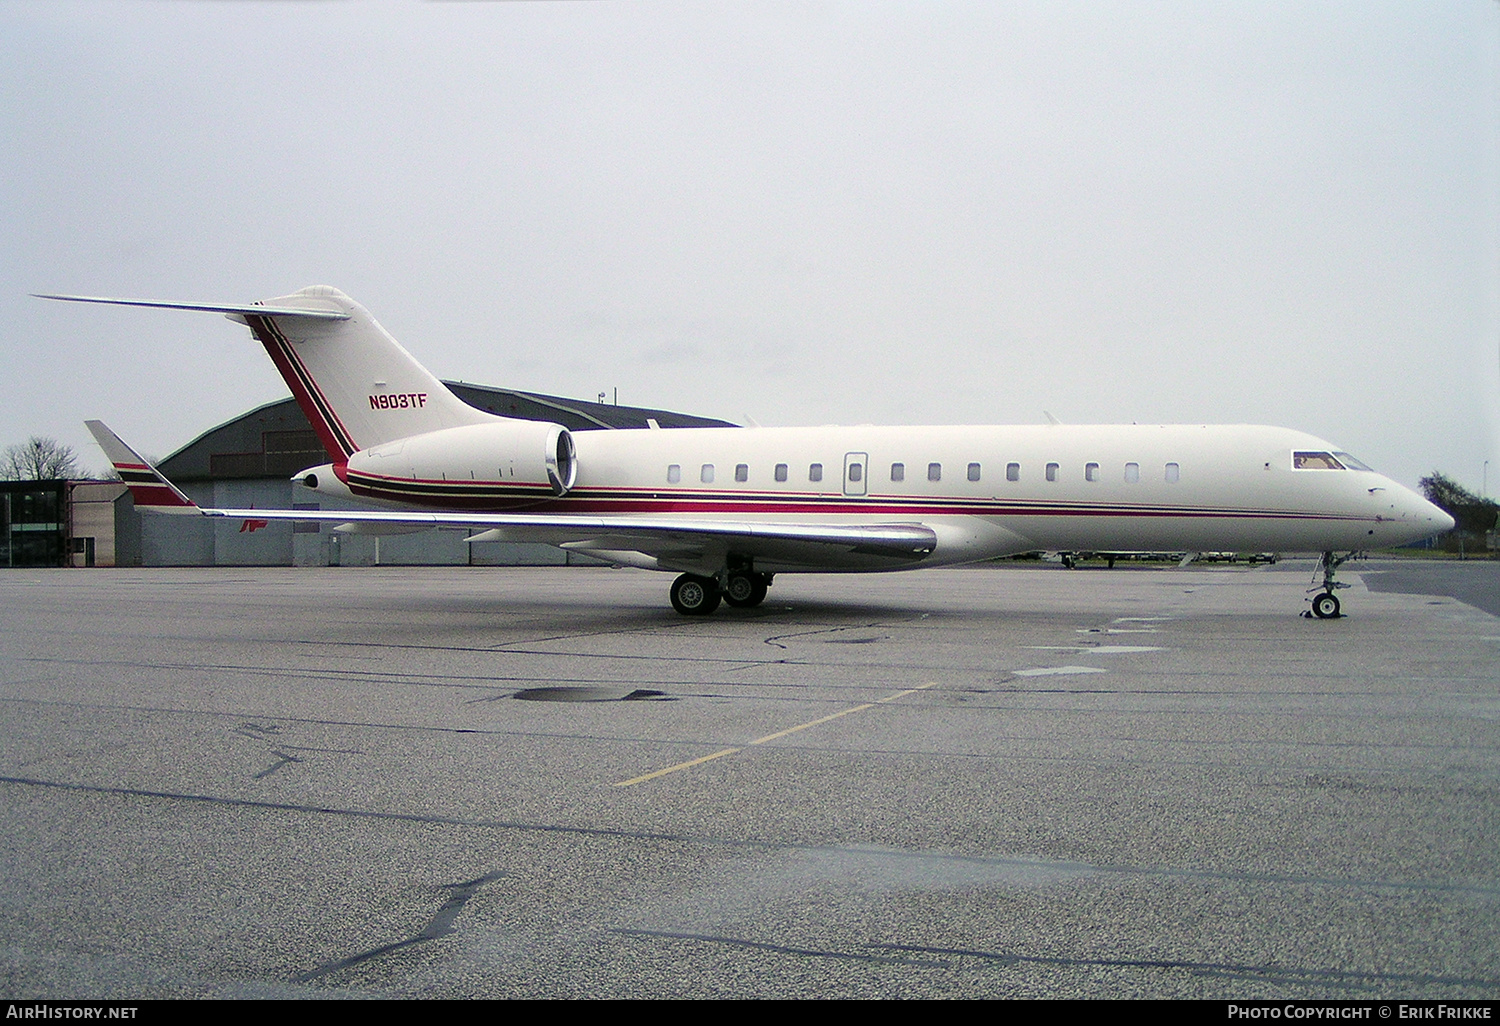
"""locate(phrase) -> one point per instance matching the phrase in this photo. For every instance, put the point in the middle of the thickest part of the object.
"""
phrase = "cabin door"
(856, 473)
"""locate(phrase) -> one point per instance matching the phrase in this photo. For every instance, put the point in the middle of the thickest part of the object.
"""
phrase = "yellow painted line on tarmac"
(772, 737)
(810, 723)
(680, 766)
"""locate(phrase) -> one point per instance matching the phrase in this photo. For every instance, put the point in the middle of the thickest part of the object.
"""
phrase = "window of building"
(934, 471)
(815, 472)
(1052, 469)
(1132, 473)
(298, 526)
(898, 471)
(1012, 472)
(1091, 472)
(1172, 473)
(706, 475)
(781, 471)
(742, 472)
(973, 472)
(674, 473)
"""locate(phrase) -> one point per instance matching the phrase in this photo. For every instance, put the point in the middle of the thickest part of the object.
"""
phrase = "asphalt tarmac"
(1476, 582)
(1014, 782)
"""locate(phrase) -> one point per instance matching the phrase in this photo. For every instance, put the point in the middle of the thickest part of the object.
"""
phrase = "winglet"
(148, 488)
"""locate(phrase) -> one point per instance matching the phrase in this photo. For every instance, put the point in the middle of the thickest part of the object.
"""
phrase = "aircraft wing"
(676, 541)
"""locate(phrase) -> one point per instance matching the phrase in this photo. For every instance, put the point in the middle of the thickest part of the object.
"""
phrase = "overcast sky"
(801, 212)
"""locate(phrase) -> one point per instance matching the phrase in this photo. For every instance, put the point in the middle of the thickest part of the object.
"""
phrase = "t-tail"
(357, 385)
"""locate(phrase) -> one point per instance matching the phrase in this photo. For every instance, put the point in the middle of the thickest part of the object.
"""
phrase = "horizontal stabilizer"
(355, 383)
(254, 309)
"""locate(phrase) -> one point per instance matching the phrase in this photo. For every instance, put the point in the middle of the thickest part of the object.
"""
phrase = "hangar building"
(249, 462)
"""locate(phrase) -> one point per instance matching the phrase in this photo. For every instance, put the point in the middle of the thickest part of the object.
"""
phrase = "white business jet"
(729, 508)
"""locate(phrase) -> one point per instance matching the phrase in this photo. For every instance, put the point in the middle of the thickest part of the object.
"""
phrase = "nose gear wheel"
(1325, 603)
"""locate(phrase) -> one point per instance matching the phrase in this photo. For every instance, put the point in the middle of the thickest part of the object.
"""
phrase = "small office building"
(59, 523)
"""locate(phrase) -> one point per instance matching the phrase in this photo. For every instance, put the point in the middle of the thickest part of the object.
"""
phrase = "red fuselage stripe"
(466, 500)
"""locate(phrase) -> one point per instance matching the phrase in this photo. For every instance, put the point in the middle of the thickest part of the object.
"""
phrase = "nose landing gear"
(1325, 605)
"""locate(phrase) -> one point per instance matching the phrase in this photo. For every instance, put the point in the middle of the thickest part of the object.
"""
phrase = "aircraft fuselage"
(986, 490)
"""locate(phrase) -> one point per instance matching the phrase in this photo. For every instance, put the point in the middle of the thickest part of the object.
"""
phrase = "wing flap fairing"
(911, 542)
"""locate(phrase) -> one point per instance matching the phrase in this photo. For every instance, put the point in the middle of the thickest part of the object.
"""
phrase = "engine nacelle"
(524, 454)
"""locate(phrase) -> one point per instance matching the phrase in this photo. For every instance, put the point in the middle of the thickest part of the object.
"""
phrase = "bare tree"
(1472, 513)
(39, 459)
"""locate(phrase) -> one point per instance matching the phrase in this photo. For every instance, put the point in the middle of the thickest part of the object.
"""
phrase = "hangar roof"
(276, 440)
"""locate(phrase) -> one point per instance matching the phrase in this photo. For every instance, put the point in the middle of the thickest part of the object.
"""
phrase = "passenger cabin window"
(973, 472)
(1173, 473)
(1012, 472)
(781, 471)
(898, 471)
(1132, 473)
(815, 472)
(1315, 461)
(742, 472)
(674, 473)
(856, 471)
(934, 471)
(706, 475)
(1052, 471)
(1091, 471)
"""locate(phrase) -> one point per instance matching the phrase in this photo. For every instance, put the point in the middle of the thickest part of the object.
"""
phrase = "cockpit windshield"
(1315, 461)
(1326, 461)
(1352, 463)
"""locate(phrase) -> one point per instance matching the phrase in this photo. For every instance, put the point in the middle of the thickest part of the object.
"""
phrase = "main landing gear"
(1325, 606)
(693, 595)
(746, 589)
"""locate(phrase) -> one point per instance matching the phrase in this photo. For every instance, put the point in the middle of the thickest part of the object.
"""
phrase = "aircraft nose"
(1420, 513)
(1407, 517)
(1444, 521)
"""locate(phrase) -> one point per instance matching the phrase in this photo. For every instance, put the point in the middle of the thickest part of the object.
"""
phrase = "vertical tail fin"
(356, 383)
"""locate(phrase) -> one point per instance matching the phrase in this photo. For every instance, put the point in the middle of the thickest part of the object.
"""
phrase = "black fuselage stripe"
(330, 417)
(304, 387)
